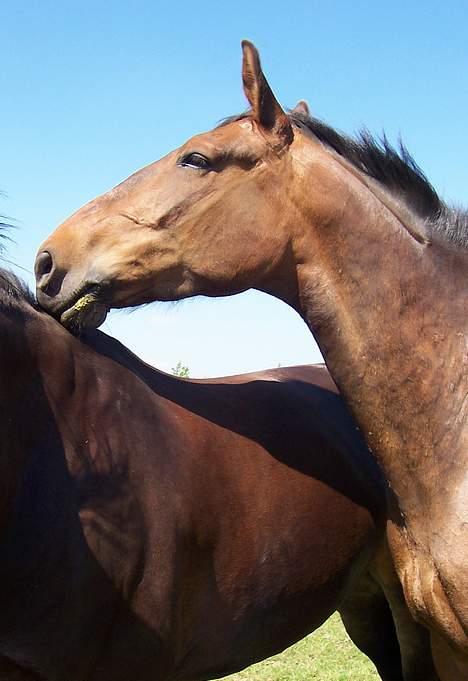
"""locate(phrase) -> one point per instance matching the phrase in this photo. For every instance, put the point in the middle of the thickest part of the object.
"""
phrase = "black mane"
(13, 291)
(395, 169)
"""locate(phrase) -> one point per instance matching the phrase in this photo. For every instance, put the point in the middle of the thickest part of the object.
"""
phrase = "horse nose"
(44, 269)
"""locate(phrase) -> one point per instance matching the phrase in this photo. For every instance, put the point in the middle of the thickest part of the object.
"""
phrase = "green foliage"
(180, 370)
(326, 655)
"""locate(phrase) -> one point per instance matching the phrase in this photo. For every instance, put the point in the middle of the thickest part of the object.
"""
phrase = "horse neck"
(386, 310)
(17, 387)
(35, 363)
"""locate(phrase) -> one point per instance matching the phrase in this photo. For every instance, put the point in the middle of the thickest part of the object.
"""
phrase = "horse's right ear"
(265, 108)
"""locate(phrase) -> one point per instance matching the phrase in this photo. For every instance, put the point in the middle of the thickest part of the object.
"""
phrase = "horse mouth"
(87, 312)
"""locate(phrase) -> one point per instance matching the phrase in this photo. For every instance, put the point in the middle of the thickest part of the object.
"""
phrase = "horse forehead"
(228, 134)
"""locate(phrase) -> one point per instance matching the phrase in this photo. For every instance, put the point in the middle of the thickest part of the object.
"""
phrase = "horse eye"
(195, 161)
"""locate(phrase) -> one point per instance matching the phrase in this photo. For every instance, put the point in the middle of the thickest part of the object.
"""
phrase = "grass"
(325, 655)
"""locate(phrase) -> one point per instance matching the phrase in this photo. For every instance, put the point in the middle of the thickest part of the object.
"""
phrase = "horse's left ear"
(301, 108)
(265, 108)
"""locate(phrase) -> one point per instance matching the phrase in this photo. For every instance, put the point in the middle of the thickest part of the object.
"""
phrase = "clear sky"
(91, 91)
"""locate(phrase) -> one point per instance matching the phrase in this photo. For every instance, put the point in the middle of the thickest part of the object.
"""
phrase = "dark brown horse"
(159, 529)
(349, 233)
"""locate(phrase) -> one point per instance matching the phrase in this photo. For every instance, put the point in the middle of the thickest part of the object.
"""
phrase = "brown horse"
(156, 529)
(350, 234)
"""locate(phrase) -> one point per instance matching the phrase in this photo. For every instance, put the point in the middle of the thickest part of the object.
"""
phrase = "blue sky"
(91, 91)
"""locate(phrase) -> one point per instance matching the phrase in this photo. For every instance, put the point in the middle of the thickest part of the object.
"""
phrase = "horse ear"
(301, 108)
(265, 107)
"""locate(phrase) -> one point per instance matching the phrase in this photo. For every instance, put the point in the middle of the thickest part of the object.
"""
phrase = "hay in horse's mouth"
(89, 311)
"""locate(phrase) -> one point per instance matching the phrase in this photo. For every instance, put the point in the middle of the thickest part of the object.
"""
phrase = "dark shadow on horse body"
(280, 397)
(58, 604)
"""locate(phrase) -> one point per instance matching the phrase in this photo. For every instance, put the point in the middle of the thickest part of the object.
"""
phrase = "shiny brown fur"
(156, 529)
(374, 262)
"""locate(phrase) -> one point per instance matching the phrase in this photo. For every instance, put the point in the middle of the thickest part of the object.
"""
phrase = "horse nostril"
(43, 269)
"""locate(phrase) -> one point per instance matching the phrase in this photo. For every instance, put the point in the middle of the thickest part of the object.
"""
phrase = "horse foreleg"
(417, 662)
(451, 665)
(369, 622)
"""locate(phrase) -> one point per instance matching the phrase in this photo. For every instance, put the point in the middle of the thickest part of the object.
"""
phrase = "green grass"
(325, 655)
